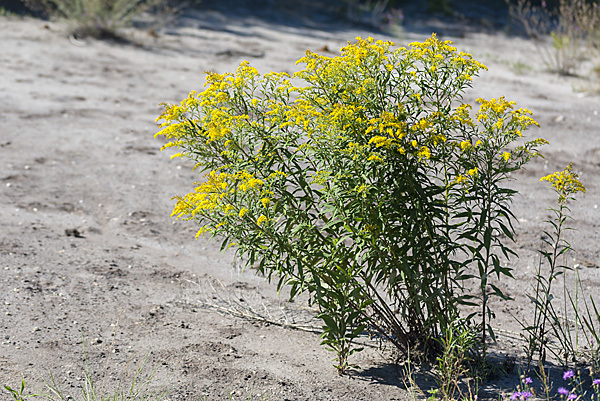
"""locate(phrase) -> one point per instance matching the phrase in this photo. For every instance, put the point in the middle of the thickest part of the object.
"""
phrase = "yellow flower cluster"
(217, 197)
(495, 106)
(301, 114)
(437, 55)
(433, 48)
(261, 220)
(356, 150)
(460, 179)
(565, 182)
(354, 54)
(207, 196)
(461, 115)
(424, 153)
(364, 48)
(390, 130)
(343, 116)
(247, 181)
(375, 157)
(494, 111)
(321, 177)
(210, 112)
(521, 118)
(465, 145)
(463, 179)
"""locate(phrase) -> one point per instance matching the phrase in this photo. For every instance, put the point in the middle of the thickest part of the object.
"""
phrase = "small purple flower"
(572, 396)
(568, 375)
(525, 395)
(521, 395)
(596, 382)
(563, 391)
(528, 380)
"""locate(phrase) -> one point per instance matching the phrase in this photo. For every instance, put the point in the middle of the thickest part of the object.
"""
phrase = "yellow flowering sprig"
(489, 147)
(439, 61)
(494, 133)
(566, 183)
(546, 317)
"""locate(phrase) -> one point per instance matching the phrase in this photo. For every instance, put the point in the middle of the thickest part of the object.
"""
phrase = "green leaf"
(498, 292)
(487, 238)
(491, 332)
(330, 324)
(508, 232)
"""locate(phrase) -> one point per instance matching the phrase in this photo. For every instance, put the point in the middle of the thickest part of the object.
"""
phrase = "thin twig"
(237, 312)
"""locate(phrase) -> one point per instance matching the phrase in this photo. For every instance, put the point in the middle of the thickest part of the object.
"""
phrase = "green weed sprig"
(19, 395)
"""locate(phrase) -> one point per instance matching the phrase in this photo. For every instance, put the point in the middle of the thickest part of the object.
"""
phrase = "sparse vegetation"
(565, 34)
(102, 19)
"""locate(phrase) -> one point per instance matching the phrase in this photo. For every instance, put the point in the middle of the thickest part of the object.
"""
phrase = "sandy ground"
(87, 246)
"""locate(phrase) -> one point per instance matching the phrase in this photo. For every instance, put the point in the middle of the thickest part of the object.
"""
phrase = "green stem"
(555, 245)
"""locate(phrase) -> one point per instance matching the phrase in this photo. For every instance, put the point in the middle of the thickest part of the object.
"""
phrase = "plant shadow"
(383, 373)
(496, 378)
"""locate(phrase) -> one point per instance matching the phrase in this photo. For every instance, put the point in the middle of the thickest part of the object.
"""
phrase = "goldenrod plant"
(362, 180)
(546, 318)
